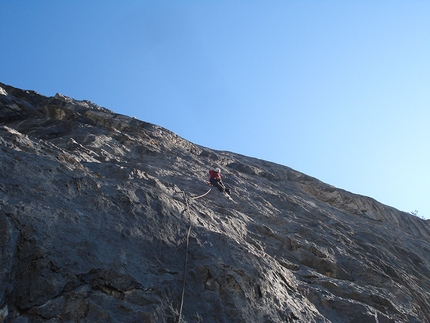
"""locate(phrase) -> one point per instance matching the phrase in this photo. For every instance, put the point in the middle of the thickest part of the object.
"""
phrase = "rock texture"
(94, 220)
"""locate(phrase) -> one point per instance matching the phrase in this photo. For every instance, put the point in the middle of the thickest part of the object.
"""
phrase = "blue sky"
(338, 90)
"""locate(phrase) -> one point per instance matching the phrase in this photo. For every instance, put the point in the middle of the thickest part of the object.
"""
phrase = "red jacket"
(214, 174)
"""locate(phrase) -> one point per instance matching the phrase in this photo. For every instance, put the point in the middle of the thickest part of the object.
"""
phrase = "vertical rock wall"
(94, 222)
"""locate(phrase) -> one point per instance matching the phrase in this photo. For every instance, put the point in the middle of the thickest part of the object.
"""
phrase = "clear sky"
(338, 90)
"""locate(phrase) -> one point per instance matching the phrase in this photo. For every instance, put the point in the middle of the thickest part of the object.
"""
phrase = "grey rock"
(95, 209)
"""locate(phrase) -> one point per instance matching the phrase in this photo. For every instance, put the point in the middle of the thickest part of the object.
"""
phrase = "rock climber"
(215, 180)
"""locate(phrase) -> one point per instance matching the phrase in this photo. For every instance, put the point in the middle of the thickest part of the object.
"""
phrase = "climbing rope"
(187, 210)
(197, 197)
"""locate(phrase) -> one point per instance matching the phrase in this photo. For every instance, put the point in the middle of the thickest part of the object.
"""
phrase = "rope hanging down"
(197, 197)
(187, 210)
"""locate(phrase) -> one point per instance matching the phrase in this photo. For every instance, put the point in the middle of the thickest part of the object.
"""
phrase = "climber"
(215, 180)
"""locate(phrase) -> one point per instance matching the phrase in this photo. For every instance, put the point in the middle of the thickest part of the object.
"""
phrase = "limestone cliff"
(96, 207)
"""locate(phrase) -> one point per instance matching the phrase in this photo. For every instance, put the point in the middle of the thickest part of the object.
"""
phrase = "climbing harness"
(187, 210)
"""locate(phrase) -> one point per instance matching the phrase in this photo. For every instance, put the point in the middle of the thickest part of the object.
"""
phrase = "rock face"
(96, 209)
